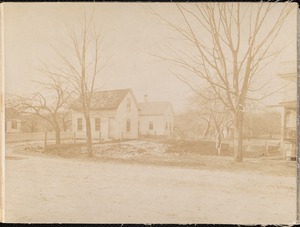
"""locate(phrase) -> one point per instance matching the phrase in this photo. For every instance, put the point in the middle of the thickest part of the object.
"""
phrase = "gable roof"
(154, 108)
(104, 100)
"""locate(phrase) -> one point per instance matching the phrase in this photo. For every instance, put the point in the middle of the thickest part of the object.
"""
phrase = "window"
(79, 124)
(14, 124)
(170, 127)
(128, 125)
(97, 124)
(151, 125)
(128, 104)
(167, 126)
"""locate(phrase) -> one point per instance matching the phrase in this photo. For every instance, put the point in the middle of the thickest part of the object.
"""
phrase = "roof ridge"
(122, 89)
(155, 102)
(106, 99)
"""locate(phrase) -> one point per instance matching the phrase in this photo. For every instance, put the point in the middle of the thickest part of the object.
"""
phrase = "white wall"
(123, 115)
(291, 118)
(159, 124)
(95, 134)
(119, 119)
(290, 92)
(9, 126)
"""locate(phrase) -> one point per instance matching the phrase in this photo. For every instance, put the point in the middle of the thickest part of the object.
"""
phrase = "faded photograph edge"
(196, 122)
(2, 109)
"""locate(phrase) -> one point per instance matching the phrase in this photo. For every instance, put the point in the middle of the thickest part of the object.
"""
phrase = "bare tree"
(263, 123)
(81, 67)
(47, 103)
(30, 123)
(225, 46)
(191, 125)
(218, 118)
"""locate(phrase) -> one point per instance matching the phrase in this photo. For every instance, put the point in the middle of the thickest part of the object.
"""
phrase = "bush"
(199, 147)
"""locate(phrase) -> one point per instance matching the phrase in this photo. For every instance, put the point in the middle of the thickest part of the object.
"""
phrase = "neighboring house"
(288, 73)
(114, 115)
(156, 118)
(12, 121)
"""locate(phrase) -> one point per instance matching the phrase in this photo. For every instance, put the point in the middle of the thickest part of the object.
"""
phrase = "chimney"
(145, 98)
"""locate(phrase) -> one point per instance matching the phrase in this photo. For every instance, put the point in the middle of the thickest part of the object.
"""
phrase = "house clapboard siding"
(114, 115)
(156, 118)
(12, 121)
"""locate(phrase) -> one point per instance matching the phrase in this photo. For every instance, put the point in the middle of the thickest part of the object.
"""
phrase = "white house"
(288, 74)
(12, 121)
(12, 125)
(155, 118)
(114, 115)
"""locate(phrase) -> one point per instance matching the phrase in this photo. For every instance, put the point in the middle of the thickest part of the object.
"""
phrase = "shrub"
(200, 147)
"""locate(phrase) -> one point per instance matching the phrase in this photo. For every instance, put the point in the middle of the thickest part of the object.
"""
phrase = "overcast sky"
(129, 33)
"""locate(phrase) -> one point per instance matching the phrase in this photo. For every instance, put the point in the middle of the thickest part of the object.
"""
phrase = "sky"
(131, 38)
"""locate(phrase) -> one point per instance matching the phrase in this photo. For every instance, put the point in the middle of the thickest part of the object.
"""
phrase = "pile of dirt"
(125, 150)
(150, 147)
(129, 149)
(66, 150)
(33, 148)
(116, 150)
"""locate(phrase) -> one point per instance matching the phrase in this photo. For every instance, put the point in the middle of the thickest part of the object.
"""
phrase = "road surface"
(56, 190)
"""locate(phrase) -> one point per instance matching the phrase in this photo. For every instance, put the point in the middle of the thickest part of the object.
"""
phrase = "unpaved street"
(41, 189)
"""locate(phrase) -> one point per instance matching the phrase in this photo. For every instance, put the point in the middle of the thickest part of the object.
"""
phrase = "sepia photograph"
(149, 112)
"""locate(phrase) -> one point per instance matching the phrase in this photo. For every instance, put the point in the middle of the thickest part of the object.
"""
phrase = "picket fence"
(48, 137)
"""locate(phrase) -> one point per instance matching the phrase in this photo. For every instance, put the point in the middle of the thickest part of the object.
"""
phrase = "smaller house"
(12, 121)
(155, 118)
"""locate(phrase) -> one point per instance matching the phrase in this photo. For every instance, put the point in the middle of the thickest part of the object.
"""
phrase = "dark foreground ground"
(145, 182)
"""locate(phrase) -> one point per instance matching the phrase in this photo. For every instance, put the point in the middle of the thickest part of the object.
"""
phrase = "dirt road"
(41, 189)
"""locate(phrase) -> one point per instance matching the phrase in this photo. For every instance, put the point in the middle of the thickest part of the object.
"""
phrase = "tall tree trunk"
(238, 136)
(56, 128)
(57, 131)
(57, 135)
(88, 135)
(207, 129)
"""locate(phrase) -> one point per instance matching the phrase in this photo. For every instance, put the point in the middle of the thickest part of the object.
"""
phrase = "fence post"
(74, 137)
(99, 136)
(45, 141)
